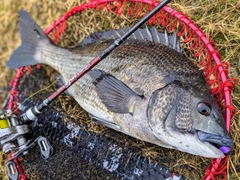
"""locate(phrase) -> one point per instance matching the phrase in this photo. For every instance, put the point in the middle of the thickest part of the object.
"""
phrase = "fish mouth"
(215, 140)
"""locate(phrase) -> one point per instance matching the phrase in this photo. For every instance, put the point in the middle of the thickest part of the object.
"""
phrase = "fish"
(145, 88)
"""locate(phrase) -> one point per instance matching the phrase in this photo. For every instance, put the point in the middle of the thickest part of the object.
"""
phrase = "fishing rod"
(19, 128)
(32, 113)
(15, 127)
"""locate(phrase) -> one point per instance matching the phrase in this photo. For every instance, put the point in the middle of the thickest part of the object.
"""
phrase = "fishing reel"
(14, 131)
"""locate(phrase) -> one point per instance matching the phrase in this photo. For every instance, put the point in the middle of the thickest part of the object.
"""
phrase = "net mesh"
(66, 33)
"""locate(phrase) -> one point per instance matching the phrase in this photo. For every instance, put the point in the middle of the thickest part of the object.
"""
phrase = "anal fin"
(105, 122)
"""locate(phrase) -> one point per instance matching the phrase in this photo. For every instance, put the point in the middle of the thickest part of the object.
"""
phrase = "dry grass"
(219, 19)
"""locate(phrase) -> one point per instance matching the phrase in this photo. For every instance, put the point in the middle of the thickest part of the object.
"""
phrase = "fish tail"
(31, 35)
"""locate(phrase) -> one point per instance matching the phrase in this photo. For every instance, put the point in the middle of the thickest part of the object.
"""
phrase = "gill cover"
(161, 103)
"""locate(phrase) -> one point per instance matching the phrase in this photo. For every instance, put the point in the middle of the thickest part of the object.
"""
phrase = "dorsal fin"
(150, 34)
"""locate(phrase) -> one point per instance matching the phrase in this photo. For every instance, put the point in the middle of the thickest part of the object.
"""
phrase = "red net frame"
(221, 85)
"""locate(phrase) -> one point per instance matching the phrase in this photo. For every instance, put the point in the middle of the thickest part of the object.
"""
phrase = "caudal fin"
(31, 34)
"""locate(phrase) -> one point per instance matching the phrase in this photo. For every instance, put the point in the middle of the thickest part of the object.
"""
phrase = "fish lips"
(216, 140)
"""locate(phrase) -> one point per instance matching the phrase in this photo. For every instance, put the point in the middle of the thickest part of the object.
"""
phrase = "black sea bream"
(145, 88)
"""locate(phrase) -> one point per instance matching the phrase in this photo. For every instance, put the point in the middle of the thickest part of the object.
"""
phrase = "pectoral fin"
(114, 94)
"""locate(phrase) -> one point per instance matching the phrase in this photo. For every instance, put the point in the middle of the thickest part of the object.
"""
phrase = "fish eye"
(204, 108)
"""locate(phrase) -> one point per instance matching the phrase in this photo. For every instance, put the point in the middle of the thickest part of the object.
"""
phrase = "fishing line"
(39, 91)
(35, 93)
